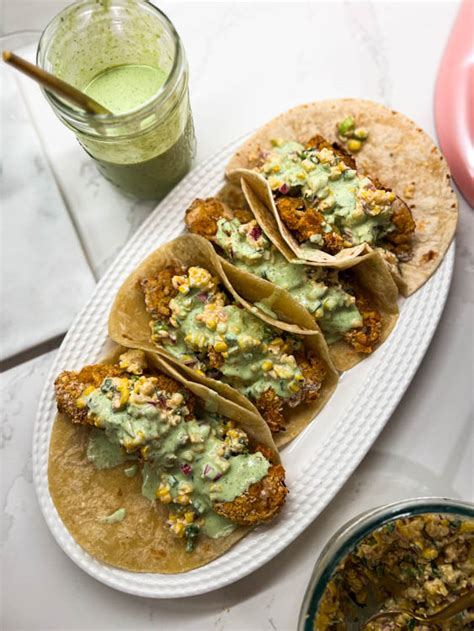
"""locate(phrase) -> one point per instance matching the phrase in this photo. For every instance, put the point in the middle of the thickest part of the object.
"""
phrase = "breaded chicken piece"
(365, 338)
(261, 501)
(314, 372)
(203, 214)
(405, 225)
(270, 406)
(70, 385)
(318, 142)
(304, 222)
(158, 290)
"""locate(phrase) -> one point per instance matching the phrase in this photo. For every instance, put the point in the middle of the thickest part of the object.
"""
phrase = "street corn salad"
(340, 306)
(327, 204)
(419, 563)
(197, 322)
(200, 465)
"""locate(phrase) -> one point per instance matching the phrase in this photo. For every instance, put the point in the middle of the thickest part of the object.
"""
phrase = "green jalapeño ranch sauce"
(255, 357)
(248, 248)
(124, 88)
(126, 55)
(347, 200)
(188, 462)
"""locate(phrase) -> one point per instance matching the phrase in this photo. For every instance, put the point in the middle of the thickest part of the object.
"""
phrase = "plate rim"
(264, 543)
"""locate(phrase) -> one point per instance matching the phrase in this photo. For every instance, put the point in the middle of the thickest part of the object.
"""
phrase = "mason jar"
(144, 151)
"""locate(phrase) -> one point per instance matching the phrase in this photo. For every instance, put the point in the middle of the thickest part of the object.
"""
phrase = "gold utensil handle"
(463, 602)
(54, 84)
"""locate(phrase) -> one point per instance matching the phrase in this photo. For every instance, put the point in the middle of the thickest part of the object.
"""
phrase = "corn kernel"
(211, 324)
(430, 553)
(354, 145)
(220, 347)
(267, 365)
(361, 133)
(178, 529)
(183, 500)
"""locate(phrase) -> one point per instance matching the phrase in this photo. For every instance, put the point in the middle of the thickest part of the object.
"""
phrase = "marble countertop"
(248, 61)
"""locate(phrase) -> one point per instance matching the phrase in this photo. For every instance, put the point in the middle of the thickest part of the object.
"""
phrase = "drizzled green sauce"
(187, 457)
(333, 307)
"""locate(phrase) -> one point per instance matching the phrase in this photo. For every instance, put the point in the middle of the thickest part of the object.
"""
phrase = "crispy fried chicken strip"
(203, 214)
(270, 406)
(158, 290)
(365, 338)
(70, 385)
(318, 142)
(304, 222)
(314, 372)
(262, 500)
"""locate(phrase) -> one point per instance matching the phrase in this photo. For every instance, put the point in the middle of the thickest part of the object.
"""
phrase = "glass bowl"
(347, 538)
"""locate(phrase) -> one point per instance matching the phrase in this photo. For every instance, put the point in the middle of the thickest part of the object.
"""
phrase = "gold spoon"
(54, 84)
(463, 602)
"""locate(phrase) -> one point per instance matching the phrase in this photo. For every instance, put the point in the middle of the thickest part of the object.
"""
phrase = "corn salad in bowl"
(416, 555)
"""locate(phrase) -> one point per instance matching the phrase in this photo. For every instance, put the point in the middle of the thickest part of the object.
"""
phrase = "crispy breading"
(314, 372)
(333, 242)
(304, 222)
(70, 385)
(243, 215)
(318, 142)
(158, 291)
(290, 210)
(169, 385)
(261, 501)
(405, 226)
(365, 338)
(215, 359)
(270, 406)
(203, 214)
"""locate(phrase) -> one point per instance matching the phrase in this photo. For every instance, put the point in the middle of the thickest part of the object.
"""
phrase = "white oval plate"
(318, 462)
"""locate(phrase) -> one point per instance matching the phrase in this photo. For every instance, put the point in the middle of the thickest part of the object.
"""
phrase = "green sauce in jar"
(128, 57)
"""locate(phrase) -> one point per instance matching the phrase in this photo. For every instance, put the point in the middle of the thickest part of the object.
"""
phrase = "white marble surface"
(240, 76)
(37, 237)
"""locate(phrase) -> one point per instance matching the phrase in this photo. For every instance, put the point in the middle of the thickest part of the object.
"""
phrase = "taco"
(356, 308)
(194, 308)
(328, 208)
(152, 473)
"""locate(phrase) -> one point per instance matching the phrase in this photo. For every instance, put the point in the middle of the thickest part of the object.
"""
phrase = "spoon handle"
(54, 84)
(464, 602)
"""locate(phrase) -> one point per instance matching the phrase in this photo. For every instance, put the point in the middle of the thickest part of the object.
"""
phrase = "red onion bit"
(256, 233)
(186, 469)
